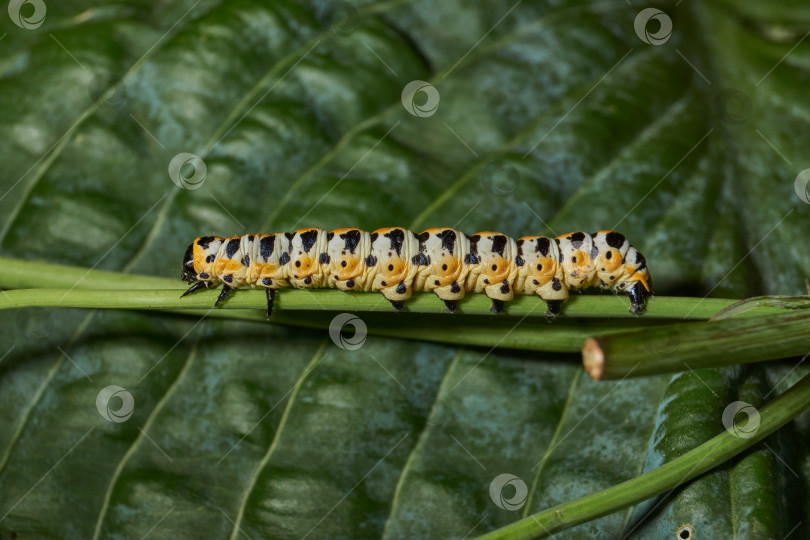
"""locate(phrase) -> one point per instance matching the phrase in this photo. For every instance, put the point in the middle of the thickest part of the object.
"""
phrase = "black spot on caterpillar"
(352, 238)
(205, 241)
(614, 239)
(308, 239)
(498, 244)
(576, 239)
(448, 237)
(232, 247)
(397, 237)
(443, 260)
(266, 246)
(543, 245)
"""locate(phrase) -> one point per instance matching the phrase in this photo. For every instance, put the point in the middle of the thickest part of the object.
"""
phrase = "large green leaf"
(553, 116)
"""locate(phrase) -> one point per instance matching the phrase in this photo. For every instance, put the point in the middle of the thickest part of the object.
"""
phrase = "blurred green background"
(684, 127)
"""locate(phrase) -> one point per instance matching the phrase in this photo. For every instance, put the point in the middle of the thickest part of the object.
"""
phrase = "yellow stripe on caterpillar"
(397, 262)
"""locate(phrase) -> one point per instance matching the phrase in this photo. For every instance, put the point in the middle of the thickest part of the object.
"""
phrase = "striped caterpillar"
(397, 262)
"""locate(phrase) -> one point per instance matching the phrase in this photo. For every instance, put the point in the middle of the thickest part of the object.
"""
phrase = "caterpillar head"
(188, 274)
(199, 259)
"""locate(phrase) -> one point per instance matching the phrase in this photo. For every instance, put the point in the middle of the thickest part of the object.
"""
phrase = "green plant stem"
(678, 347)
(19, 274)
(528, 333)
(697, 461)
(749, 304)
(523, 326)
(334, 300)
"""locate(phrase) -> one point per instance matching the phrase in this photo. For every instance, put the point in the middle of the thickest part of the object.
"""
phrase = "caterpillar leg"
(554, 308)
(397, 295)
(271, 297)
(497, 306)
(226, 290)
(450, 295)
(638, 298)
(196, 287)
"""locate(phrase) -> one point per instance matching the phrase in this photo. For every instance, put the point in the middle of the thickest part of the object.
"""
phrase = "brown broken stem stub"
(593, 358)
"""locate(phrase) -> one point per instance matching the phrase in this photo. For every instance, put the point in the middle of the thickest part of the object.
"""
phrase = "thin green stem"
(19, 274)
(523, 326)
(124, 297)
(663, 479)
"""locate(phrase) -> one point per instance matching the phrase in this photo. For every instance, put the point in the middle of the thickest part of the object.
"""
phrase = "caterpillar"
(396, 262)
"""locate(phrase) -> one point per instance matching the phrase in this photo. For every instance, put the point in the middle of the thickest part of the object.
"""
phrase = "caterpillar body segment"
(441, 266)
(397, 262)
(493, 268)
(391, 264)
(347, 252)
(541, 272)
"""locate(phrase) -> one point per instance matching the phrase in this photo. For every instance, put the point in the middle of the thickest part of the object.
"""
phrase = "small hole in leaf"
(684, 532)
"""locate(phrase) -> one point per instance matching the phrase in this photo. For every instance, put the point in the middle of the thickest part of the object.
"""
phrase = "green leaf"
(553, 116)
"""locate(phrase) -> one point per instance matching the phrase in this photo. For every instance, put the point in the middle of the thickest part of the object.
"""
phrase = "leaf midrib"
(141, 435)
(313, 363)
(417, 448)
(553, 443)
